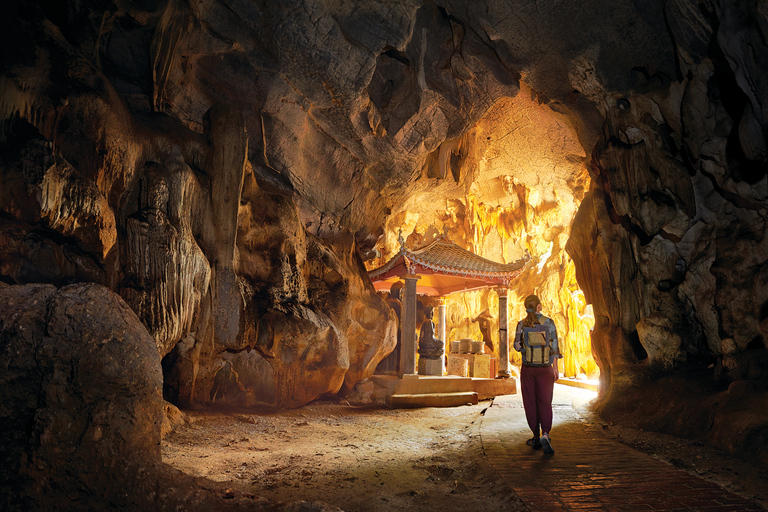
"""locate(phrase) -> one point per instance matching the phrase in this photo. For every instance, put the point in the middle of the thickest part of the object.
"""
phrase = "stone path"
(588, 471)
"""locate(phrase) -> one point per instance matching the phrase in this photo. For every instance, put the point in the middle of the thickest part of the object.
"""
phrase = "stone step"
(420, 384)
(578, 384)
(432, 399)
(424, 384)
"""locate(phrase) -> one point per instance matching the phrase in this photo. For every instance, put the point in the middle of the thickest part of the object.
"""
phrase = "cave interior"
(192, 193)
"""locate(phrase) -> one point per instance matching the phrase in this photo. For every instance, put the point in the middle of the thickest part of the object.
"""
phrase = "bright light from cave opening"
(511, 185)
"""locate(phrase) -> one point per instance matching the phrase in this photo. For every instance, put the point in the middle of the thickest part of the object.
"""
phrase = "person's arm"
(553, 337)
(518, 344)
(555, 349)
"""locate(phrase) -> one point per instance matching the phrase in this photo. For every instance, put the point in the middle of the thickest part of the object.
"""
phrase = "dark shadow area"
(700, 409)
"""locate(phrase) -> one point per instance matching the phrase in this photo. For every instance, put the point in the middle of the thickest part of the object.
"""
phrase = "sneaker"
(535, 442)
(546, 443)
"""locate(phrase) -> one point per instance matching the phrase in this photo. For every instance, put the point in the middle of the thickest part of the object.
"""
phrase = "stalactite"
(163, 50)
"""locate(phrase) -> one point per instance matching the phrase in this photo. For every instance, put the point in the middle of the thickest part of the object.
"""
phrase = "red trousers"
(538, 383)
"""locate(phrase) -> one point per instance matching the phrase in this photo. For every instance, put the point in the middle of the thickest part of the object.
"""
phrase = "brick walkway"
(588, 471)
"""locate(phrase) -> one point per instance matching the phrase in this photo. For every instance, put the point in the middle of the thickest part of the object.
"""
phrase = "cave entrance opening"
(508, 187)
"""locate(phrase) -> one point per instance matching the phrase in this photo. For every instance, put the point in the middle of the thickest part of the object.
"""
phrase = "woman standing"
(536, 339)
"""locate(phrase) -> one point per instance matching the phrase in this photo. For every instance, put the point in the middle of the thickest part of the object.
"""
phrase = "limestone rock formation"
(229, 168)
(84, 386)
(679, 186)
(177, 223)
(82, 409)
(661, 341)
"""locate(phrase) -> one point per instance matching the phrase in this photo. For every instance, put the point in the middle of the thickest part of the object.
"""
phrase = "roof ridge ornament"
(401, 240)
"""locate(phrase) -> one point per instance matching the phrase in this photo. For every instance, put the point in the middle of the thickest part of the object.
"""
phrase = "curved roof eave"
(442, 256)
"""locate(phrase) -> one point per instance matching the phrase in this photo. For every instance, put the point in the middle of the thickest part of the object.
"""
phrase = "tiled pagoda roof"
(443, 257)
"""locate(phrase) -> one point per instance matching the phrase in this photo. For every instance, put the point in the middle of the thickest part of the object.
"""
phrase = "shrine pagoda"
(438, 269)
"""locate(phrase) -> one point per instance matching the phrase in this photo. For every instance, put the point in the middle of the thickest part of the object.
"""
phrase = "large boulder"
(82, 410)
(82, 394)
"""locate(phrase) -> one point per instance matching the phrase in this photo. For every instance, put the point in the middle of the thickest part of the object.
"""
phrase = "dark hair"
(531, 302)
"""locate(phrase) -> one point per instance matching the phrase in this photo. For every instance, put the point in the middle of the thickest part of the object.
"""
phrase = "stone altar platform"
(472, 365)
(441, 391)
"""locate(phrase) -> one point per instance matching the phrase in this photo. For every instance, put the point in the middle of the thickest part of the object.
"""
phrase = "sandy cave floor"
(377, 459)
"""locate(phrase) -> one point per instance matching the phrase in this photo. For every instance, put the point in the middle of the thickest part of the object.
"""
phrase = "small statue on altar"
(429, 346)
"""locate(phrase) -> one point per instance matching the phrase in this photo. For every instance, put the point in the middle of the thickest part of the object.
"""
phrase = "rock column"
(408, 327)
(503, 338)
(229, 148)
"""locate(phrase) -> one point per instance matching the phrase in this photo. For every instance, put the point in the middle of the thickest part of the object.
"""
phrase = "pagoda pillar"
(408, 327)
(504, 371)
(441, 334)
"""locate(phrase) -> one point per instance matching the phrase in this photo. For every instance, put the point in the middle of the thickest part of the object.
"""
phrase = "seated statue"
(429, 346)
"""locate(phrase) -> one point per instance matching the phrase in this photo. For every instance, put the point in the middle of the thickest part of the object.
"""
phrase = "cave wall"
(226, 167)
(670, 242)
(221, 271)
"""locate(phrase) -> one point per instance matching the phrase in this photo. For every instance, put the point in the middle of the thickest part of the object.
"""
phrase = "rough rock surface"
(82, 384)
(174, 219)
(671, 237)
(230, 167)
(82, 409)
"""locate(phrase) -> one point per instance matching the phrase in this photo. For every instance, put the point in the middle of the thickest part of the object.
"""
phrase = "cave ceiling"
(231, 168)
(344, 101)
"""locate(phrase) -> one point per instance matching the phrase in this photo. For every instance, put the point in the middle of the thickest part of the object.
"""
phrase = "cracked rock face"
(682, 178)
(77, 349)
(230, 168)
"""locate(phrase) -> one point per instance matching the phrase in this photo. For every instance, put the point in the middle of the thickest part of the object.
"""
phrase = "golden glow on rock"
(551, 275)
(519, 185)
